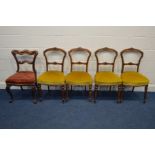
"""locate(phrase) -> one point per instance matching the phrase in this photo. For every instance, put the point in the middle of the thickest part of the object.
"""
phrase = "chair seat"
(23, 77)
(51, 78)
(107, 78)
(78, 78)
(134, 79)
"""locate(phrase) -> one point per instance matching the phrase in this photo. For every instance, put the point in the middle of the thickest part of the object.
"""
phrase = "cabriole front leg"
(39, 92)
(8, 90)
(34, 94)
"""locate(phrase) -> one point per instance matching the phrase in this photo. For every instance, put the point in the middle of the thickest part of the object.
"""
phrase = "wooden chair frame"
(103, 50)
(50, 50)
(133, 50)
(34, 85)
(84, 50)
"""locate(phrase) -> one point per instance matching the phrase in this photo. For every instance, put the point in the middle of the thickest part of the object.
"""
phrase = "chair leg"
(71, 88)
(90, 93)
(34, 94)
(8, 90)
(95, 92)
(110, 88)
(85, 91)
(119, 99)
(122, 93)
(39, 92)
(63, 93)
(145, 93)
(133, 89)
(48, 89)
(67, 87)
(21, 87)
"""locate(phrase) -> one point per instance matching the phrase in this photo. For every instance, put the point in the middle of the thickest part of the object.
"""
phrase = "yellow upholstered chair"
(132, 78)
(53, 77)
(106, 77)
(79, 78)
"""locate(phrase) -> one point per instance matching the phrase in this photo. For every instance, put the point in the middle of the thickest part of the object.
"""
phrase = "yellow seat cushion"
(78, 78)
(107, 78)
(52, 77)
(134, 79)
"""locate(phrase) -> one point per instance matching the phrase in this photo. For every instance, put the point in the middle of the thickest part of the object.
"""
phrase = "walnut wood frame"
(54, 49)
(103, 50)
(133, 50)
(18, 63)
(84, 50)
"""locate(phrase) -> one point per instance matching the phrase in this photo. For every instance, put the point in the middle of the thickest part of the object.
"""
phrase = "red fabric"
(25, 77)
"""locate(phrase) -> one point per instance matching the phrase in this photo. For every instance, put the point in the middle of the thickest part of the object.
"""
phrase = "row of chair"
(77, 78)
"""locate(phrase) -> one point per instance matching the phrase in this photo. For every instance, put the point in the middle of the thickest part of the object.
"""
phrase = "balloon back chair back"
(113, 54)
(53, 77)
(106, 57)
(23, 77)
(79, 57)
(56, 53)
(133, 53)
(132, 77)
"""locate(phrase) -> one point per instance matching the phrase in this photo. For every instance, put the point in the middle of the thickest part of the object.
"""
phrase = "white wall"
(40, 38)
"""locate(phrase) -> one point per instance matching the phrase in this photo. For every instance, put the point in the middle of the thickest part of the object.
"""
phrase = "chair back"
(25, 57)
(55, 56)
(79, 56)
(131, 57)
(106, 56)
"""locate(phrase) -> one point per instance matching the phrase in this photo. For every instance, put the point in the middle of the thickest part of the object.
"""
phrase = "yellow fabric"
(134, 79)
(51, 77)
(78, 78)
(107, 78)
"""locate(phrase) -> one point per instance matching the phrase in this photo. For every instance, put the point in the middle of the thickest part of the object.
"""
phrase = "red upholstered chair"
(23, 78)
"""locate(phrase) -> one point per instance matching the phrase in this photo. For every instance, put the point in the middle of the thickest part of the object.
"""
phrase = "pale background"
(93, 38)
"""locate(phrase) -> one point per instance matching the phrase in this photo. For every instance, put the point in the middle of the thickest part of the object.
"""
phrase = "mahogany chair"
(133, 78)
(53, 77)
(23, 78)
(106, 77)
(79, 78)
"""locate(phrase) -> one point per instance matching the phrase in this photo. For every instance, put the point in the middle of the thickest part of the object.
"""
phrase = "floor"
(78, 112)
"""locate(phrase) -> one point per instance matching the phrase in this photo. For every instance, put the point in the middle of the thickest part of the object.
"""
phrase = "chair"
(133, 78)
(53, 77)
(106, 77)
(23, 78)
(79, 78)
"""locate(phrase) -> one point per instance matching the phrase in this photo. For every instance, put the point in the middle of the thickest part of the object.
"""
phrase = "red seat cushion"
(24, 77)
